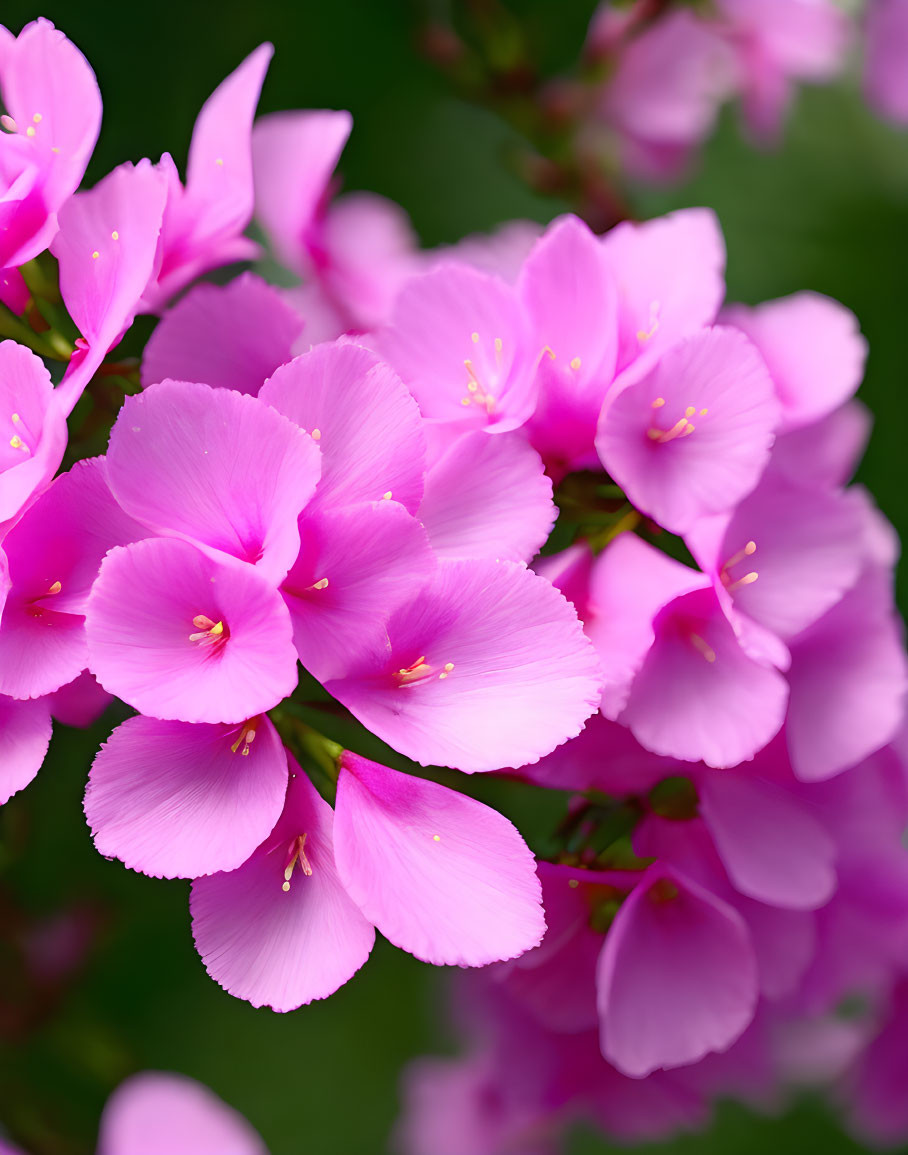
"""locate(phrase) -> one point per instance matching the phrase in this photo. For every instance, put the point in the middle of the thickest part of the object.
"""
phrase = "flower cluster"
(351, 478)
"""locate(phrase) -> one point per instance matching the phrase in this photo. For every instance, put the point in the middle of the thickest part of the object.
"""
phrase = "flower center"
(208, 633)
(246, 738)
(296, 856)
(731, 584)
(683, 427)
(420, 671)
(477, 393)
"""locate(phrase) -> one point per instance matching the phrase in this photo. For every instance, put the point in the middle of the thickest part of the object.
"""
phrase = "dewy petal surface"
(179, 800)
(441, 875)
(370, 431)
(281, 947)
(216, 468)
(486, 667)
(147, 646)
(232, 335)
(156, 1112)
(677, 976)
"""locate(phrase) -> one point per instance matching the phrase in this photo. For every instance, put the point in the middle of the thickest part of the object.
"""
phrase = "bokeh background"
(828, 211)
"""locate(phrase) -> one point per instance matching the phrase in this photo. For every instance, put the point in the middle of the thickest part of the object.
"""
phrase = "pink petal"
(51, 93)
(813, 349)
(26, 728)
(670, 275)
(369, 427)
(282, 947)
(828, 451)
(153, 1112)
(54, 554)
(772, 847)
(107, 247)
(25, 390)
(848, 681)
(216, 468)
(79, 703)
(233, 335)
(487, 497)
(486, 667)
(885, 79)
(441, 876)
(802, 560)
(698, 695)
(677, 976)
(177, 800)
(629, 584)
(294, 154)
(570, 297)
(203, 223)
(459, 340)
(355, 566)
(693, 436)
(145, 647)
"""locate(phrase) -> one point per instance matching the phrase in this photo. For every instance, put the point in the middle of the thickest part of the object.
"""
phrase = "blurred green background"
(827, 211)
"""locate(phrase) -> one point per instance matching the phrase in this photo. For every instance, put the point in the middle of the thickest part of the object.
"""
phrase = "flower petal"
(178, 800)
(441, 875)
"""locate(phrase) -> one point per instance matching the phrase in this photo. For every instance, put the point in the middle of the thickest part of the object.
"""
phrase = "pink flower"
(441, 875)
(692, 437)
(26, 730)
(353, 254)
(485, 667)
(53, 116)
(204, 219)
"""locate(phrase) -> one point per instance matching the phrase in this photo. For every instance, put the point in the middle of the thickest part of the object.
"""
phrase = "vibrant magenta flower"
(34, 429)
(216, 468)
(571, 300)
(670, 274)
(353, 254)
(778, 42)
(441, 875)
(486, 497)
(783, 571)
(485, 667)
(885, 78)
(154, 1111)
(693, 436)
(232, 335)
(26, 728)
(208, 641)
(368, 425)
(281, 930)
(54, 553)
(356, 565)
(676, 670)
(647, 1022)
(107, 250)
(294, 155)
(177, 800)
(53, 116)
(813, 349)
(204, 219)
(461, 341)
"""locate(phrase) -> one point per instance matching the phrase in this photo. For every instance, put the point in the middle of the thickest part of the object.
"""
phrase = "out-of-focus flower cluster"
(353, 476)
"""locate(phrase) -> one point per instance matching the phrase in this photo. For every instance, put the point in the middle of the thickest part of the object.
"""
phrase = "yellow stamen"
(296, 856)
